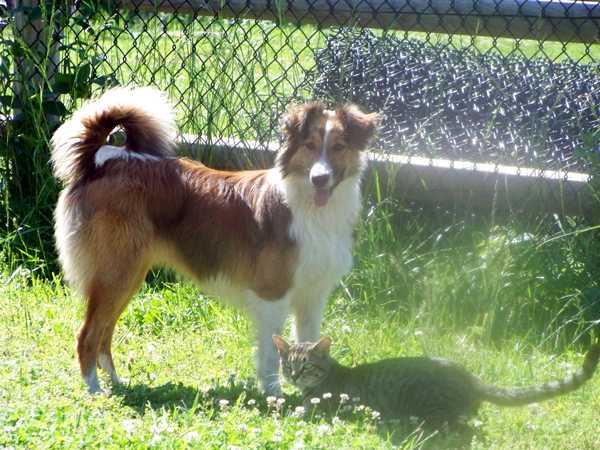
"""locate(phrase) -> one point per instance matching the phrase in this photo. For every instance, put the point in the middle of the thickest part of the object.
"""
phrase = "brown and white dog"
(270, 241)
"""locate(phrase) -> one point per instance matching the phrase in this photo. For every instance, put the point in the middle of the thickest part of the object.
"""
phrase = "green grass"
(486, 300)
(190, 353)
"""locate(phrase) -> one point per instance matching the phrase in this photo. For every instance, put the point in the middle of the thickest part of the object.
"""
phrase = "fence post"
(36, 66)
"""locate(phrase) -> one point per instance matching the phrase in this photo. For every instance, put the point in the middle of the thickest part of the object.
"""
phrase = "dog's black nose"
(320, 181)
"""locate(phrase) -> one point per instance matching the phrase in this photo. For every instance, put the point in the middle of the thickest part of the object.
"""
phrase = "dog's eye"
(311, 146)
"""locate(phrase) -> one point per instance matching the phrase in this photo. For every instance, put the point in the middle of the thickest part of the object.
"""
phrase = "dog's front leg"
(308, 314)
(269, 318)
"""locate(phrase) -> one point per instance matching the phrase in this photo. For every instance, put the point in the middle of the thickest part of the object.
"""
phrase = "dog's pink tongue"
(321, 197)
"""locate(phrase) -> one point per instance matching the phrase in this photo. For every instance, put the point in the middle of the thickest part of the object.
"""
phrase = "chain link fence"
(497, 100)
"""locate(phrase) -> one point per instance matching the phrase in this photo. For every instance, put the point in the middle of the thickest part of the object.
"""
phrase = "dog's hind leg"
(108, 293)
(105, 359)
(88, 340)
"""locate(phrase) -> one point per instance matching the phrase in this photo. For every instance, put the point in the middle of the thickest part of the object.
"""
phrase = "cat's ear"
(323, 346)
(280, 344)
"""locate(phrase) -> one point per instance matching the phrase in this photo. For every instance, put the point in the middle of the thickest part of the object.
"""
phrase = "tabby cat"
(433, 389)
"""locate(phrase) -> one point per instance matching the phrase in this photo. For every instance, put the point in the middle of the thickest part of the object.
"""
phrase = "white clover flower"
(129, 425)
(191, 436)
(315, 400)
(323, 429)
(566, 365)
(375, 415)
(160, 426)
(251, 402)
(151, 350)
(336, 421)
(280, 401)
(271, 400)
(327, 395)
(360, 407)
(223, 403)
(299, 411)
(344, 398)
(278, 436)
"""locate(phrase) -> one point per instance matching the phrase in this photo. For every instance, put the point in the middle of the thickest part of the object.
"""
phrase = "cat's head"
(305, 364)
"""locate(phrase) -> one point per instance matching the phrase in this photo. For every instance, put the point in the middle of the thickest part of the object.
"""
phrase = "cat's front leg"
(269, 317)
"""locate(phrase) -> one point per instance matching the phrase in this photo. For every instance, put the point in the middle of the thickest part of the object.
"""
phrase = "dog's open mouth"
(322, 196)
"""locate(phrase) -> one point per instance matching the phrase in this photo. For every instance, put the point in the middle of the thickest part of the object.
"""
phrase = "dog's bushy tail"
(144, 113)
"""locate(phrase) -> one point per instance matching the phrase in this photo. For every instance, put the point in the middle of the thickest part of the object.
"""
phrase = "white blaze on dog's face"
(322, 147)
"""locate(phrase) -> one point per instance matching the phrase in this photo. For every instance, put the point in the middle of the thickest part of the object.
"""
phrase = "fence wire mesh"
(502, 82)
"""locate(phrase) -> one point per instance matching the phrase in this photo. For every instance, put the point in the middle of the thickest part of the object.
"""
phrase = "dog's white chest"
(324, 253)
(323, 236)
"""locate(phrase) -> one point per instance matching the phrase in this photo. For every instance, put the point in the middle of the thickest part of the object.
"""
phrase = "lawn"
(483, 301)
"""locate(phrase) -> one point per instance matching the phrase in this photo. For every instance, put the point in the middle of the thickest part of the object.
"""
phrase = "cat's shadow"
(222, 395)
(404, 435)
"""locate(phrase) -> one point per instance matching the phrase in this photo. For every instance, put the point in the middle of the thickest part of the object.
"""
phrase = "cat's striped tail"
(523, 396)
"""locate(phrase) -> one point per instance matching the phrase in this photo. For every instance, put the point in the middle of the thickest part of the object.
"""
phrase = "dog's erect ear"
(298, 118)
(359, 127)
(323, 346)
(280, 344)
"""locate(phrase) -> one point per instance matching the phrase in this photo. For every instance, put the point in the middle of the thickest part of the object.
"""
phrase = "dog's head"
(323, 147)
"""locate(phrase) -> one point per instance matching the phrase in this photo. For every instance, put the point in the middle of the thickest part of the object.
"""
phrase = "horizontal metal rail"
(564, 20)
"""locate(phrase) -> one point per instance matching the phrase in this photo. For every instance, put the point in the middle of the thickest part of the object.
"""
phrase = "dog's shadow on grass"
(219, 396)
(213, 399)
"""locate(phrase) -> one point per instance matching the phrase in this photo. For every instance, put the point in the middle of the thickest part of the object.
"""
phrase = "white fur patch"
(322, 166)
(108, 152)
(222, 287)
(327, 136)
(269, 318)
(106, 365)
(91, 380)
